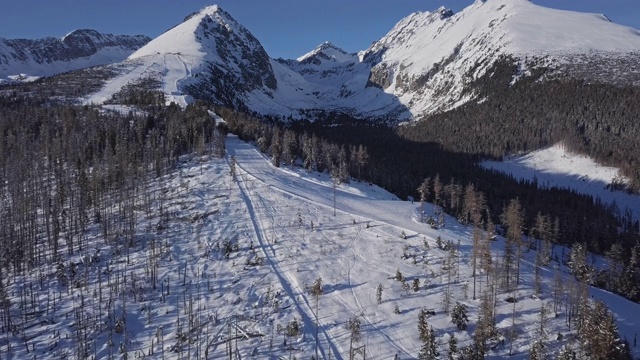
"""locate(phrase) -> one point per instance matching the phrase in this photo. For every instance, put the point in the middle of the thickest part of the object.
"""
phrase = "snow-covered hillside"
(555, 166)
(215, 261)
(25, 58)
(426, 63)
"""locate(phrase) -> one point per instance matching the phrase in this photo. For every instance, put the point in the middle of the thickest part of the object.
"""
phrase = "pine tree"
(459, 316)
(316, 291)
(453, 348)
(429, 349)
(423, 190)
(423, 326)
(537, 351)
(630, 283)
(578, 263)
(600, 336)
(615, 259)
(379, 294)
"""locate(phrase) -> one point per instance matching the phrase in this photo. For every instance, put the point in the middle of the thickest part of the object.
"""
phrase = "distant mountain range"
(425, 64)
(76, 50)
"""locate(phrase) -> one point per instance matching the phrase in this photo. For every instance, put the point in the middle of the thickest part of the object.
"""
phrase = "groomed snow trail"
(293, 291)
(176, 71)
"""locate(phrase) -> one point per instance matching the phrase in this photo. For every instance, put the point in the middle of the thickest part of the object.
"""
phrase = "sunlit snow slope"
(557, 167)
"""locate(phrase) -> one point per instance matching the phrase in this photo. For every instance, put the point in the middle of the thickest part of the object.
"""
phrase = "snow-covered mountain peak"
(191, 37)
(327, 51)
(209, 52)
(428, 58)
(78, 33)
(31, 58)
(211, 10)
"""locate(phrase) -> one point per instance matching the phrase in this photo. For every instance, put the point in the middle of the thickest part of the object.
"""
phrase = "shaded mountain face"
(427, 63)
(78, 49)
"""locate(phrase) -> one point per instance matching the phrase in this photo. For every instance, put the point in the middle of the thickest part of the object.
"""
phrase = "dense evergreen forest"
(599, 120)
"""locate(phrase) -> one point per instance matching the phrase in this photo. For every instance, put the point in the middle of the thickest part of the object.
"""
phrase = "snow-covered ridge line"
(76, 50)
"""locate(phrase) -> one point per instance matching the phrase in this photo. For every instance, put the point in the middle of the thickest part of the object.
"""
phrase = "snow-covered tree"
(459, 316)
(452, 351)
(429, 348)
(423, 190)
(600, 337)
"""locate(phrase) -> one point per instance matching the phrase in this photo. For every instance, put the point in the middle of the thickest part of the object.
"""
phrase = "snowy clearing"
(557, 167)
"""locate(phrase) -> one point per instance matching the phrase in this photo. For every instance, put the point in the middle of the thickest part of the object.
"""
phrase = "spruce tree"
(453, 348)
(459, 316)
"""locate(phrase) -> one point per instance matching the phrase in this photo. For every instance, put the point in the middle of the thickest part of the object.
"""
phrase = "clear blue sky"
(286, 28)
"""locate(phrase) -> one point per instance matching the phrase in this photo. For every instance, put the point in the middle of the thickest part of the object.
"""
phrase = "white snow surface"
(555, 166)
(284, 216)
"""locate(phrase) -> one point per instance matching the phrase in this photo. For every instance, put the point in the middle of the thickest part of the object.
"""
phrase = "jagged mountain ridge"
(78, 49)
(424, 64)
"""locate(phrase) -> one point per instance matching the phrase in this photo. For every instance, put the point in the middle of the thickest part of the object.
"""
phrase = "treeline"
(599, 120)
(62, 169)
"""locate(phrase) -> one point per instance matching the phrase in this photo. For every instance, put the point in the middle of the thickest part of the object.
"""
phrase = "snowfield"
(282, 235)
(556, 167)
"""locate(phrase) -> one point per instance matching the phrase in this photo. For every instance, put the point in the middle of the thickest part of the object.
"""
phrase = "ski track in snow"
(177, 70)
(251, 162)
(285, 281)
